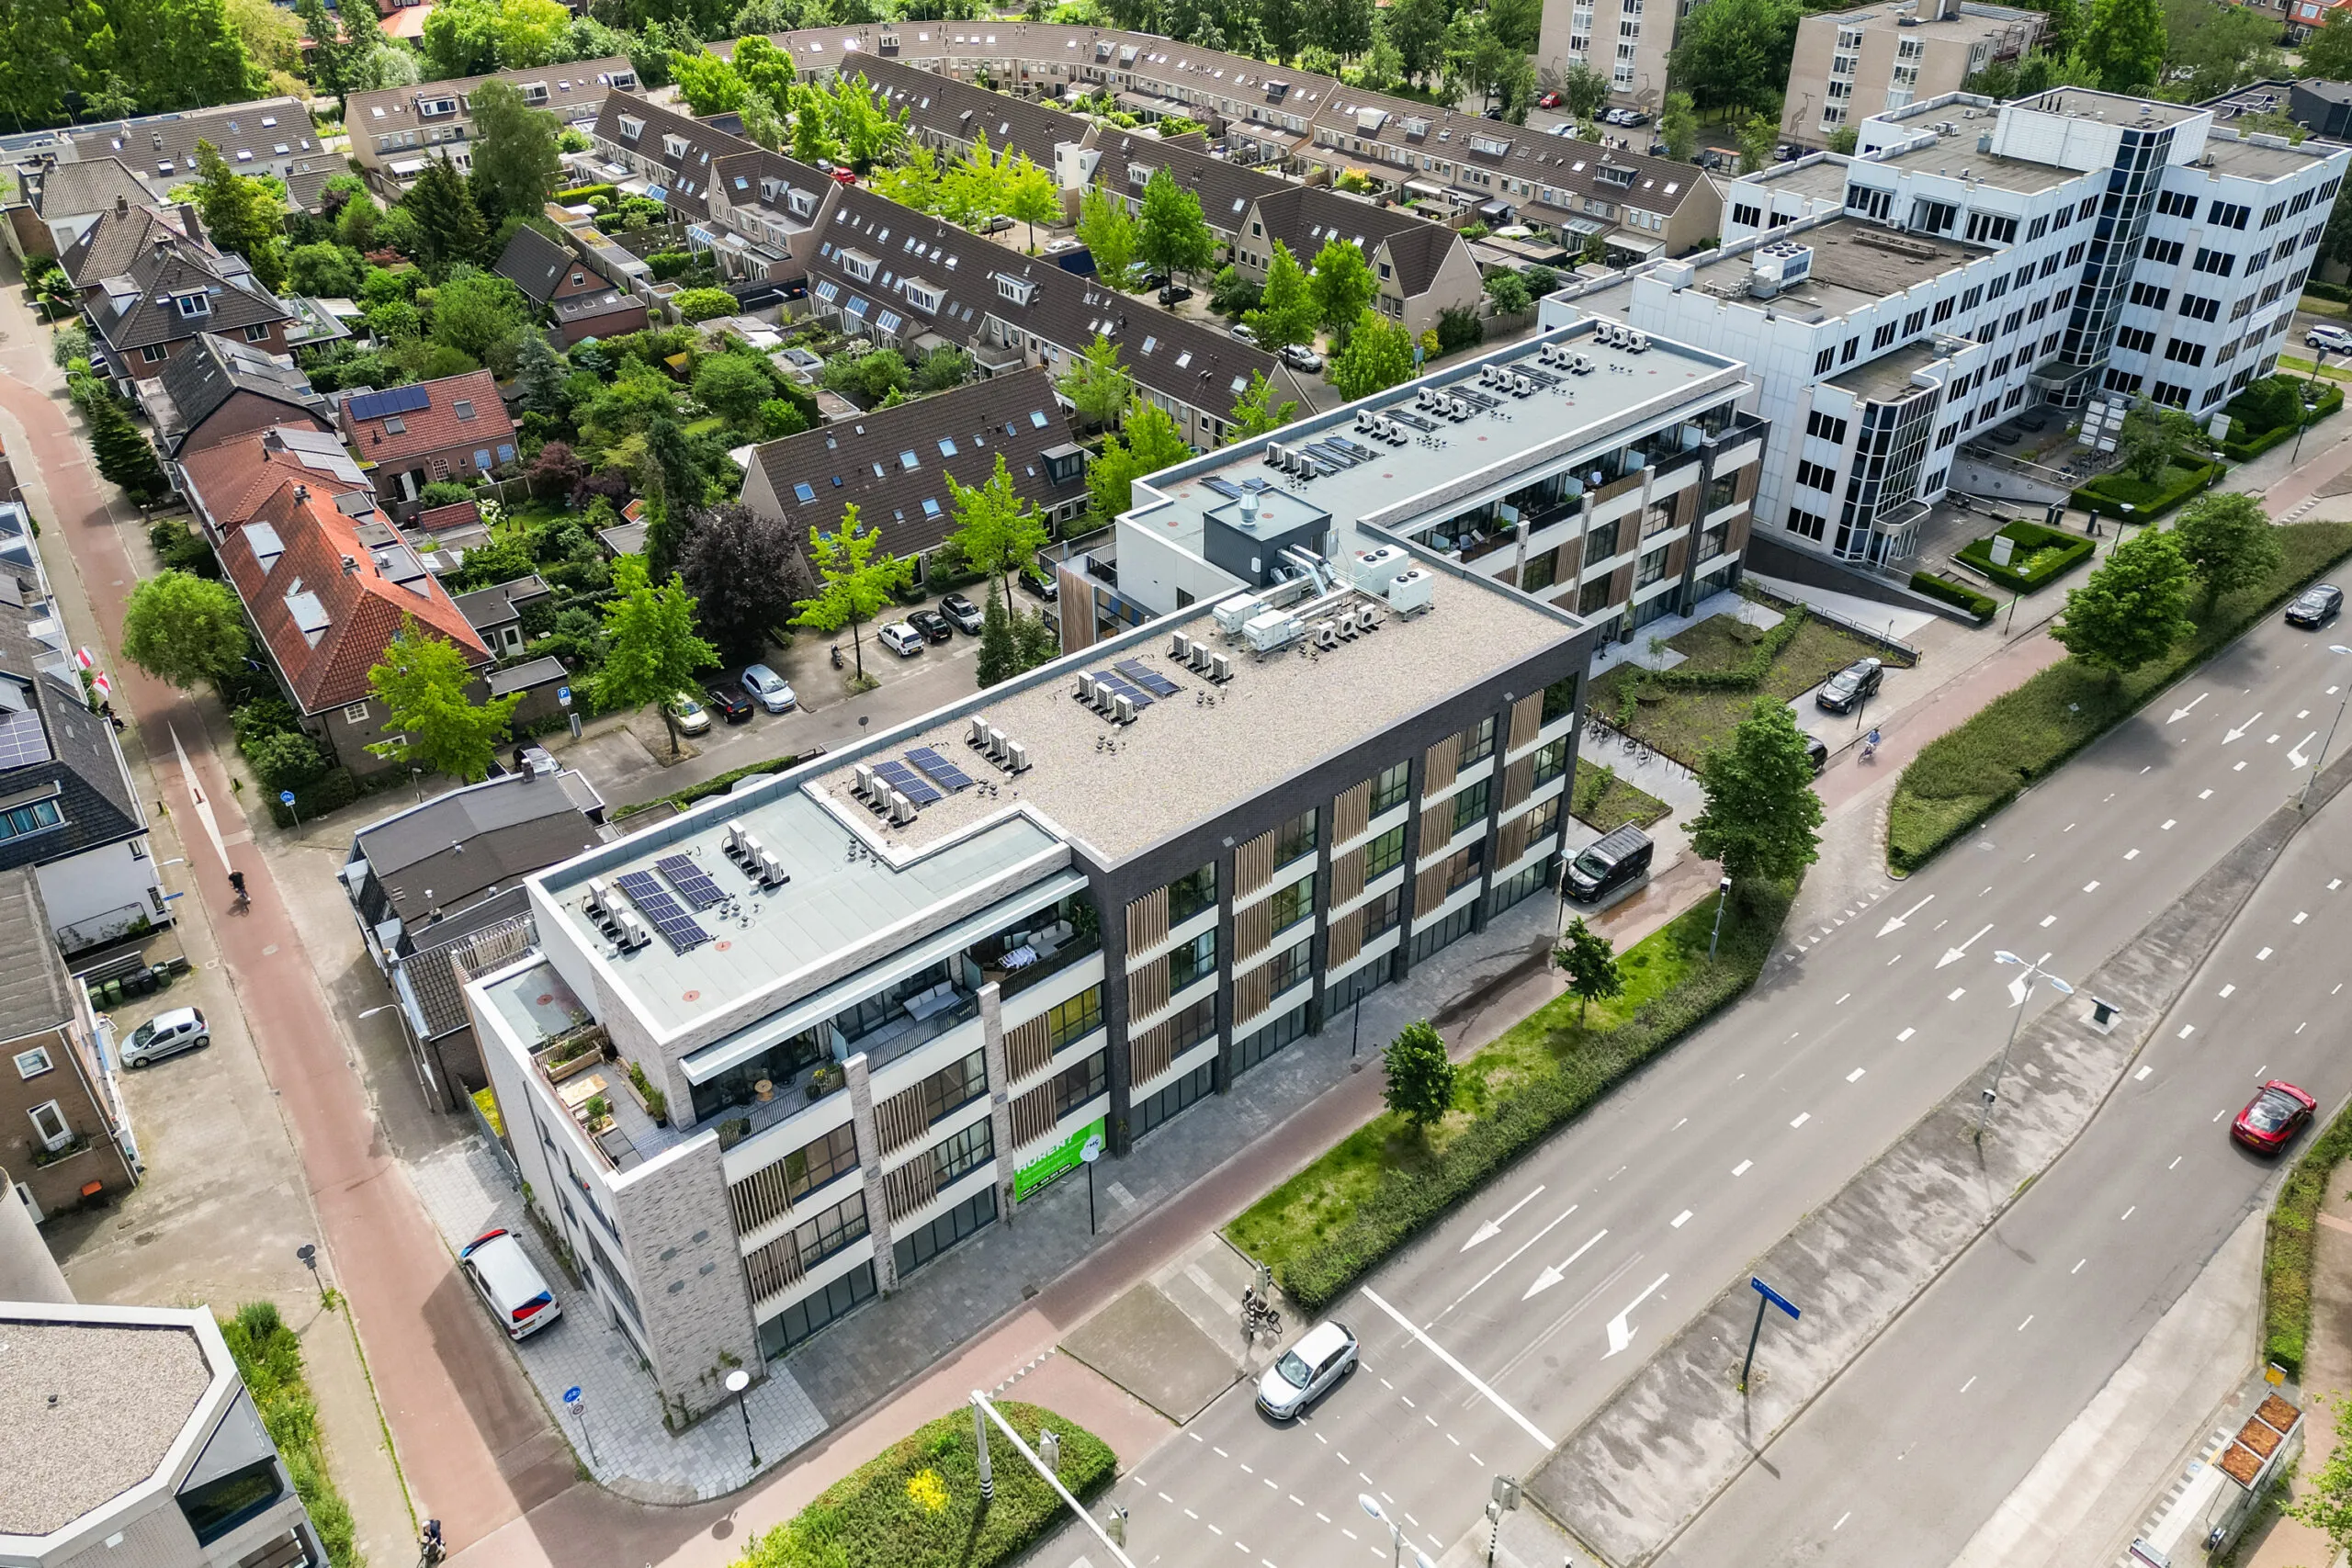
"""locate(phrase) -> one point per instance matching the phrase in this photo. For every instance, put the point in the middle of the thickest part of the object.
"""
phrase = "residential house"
(432, 876)
(666, 154)
(762, 208)
(220, 388)
(496, 613)
(1849, 65)
(61, 201)
(408, 437)
(265, 136)
(65, 1134)
(395, 130)
(569, 288)
(894, 464)
(69, 810)
(950, 116)
(225, 483)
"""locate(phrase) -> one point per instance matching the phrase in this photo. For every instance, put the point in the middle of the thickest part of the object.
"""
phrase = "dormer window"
(673, 146)
(1019, 290)
(631, 128)
(924, 297)
(858, 265)
(197, 304)
(1490, 145)
(801, 202)
(436, 108)
(535, 92)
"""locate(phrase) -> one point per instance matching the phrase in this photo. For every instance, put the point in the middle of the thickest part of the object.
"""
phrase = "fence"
(1900, 652)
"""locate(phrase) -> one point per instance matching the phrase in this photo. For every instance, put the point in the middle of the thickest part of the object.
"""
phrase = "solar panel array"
(1150, 680)
(23, 741)
(680, 930)
(1122, 687)
(938, 769)
(906, 782)
(693, 882)
(400, 400)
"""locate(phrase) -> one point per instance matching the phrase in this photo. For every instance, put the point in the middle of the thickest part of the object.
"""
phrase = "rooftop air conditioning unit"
(1231, 614)
(1365, 420)
(1521, 387)
(902, 810)
(865, 787)
(1085, 692)
(1637, 342)
(1275, 628)
(1327, 634)
(1375, 570)
(1348, 625)
(632, 934)
(979, 739)
(1417, 590)
(1220, 669)
(772, 872)
(599, 897)
(1016, 756)
(1459, 409)
(998, 744)
(1274, 454)
(1580, 365)
(1123, 708)
(1104, 697)
(1200, 657)
(1368, 619)
(1180, 647)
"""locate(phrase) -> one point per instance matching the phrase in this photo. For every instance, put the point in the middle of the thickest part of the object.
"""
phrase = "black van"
(1614, 861)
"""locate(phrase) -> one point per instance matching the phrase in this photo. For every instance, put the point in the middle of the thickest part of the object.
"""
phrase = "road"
(1499, 1331)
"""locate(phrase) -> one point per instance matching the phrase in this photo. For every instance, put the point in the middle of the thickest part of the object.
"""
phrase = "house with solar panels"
(455, 428)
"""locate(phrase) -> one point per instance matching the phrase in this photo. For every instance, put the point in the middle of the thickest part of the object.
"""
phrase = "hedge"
(332, 790)
(577, 194)
(2331, 400)
(710, 786)
(1744, 676)
(270, 1361)
(1404, 1204)
(916, 1504)
(2108, 494)
(2286, 1247)
(1963, 776)
(2334, 293)
(2048, 554)
(1951, 593)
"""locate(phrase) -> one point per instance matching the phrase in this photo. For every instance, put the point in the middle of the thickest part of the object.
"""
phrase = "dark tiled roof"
(460, 410)
(268, 129)
(962, 112)
(109, 247)
(432, 977)
(534, 263)
(33, 980)
(1226, 188)
(595, 307)
(306, 180)
(64, 190)
(212, 369)
(442, 853)
(689, 166)
(572, 91)
(142, 306)
(499, 602)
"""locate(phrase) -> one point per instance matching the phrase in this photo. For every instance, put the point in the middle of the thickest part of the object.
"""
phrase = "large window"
(1384, 853)
(1552, 762)
(20, 820)
(1296, 837)
(1478, 741)
(814, 1164)
(1079, 1084)
(964, 1152)
(1265, 1041)
(1188, 896)
(834, 1229)
(803, 1317)
(1470, 807)
(221, 1504)
(1293, 904)
(1290, 969)
(1185, 1093)
(1065, 1021)
(1388, 789)
(955, 1087)
(1560, 698)
(1193, 961)
(944, 1231)
(1380, 916)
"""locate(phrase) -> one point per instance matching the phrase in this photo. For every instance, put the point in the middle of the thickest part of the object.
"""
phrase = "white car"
(901, 639)
(502, 1274)
(1308, 1371)
(166, 1034)
(768, 689)
(2335, 340)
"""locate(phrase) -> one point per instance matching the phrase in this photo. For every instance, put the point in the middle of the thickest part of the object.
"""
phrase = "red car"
(1548, 101)
(2270, 1121)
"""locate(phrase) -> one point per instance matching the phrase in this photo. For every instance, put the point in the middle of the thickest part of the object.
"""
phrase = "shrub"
(2108, 494)
(285, 759)
(269, 1359)
(703, 304)
(667, 265)
(595, 196)
(2336, 293)
(2287, 1248)
(2042, 555)
(1460, 328)
(1744, 676)
(1951, 593)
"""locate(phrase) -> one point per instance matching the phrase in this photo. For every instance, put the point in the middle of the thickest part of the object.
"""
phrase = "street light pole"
(2302, 414)
(2033, 972)
(1723, 896)
(2305, 798)
(738, 1382)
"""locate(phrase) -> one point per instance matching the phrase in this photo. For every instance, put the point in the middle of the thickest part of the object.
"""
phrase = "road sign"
(1770, 1294)
(285, 797)
(572, 1396)
(563, 695)
(1091, 1150)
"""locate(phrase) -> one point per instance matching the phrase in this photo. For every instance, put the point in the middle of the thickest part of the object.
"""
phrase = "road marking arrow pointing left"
(1620, 1334)
(2181, 713)
(2229, 735)
(1489, 1229)
(1954, 955)
(1895, 922)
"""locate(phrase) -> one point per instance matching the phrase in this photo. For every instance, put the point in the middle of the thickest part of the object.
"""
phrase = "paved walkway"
(2327, 1377)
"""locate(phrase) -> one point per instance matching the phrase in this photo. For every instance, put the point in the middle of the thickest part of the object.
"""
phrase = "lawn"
(1686, 724)
(2109, 493)
(2040, 554)
(1606, 802)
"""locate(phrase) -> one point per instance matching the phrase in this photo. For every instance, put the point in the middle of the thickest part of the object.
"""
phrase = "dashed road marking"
(2142, 1073)
(2091, 886)
(1679, 1220)
(1905, 1036)
(1803, 1117)
(1855, 1077)
(1742, 1167)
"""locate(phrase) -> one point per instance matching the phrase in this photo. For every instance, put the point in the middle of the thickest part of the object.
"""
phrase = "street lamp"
(2033, 972)
(2304, 799)
(1722, 897)
(1371, 1505)
(2303, 414)
(736, 1382)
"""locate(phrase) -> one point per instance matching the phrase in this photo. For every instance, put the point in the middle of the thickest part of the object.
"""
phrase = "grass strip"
(1962, 777)
(2108, 494)
(917, 1503)
(269, 1358)
(1606, 802)
(710, 786)
(2287, 1247)
(1375, 1190)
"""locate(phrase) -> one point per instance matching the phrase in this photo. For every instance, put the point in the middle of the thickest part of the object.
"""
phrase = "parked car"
(1040, 583)
(1243, 331)
(1632, 118)
(1858, 683)
(997, 224)
(686, 713)
(1616, 860)
(1299, 356)
(768, 689)
(900, 638)
(2271, 1119)
(932, 625)
(166, 1034)
(2316, 605)
(1787, 153)
(507, 1280)
(1494, 113)
(1308, 1371)
(1548, 101)
(964, 612)
(2335, 340)
(731, 705)
(1817, 752)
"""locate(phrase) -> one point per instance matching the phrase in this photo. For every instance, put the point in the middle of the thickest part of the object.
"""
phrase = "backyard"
(1684, 713)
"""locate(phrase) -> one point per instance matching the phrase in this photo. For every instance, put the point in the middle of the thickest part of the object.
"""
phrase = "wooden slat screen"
(1443, 765)
(1346, 939)
(1519, 780)
(1253, 927)
(900, 1120)
(1352, 813)
(1526, 721)
(1620, 584)
(1148, 922)
(1429, 890)
(1437, 827)
(1032, 1116)
(1628, 532)
(1347, 875)
(1150, 1053)
(1677, 556)
(1513, 842)
(911, 1186)
(774, 1266)
(1252, 991)
(1253, 863)
(1028, 1047)
(760, 1196)
(1147, 988)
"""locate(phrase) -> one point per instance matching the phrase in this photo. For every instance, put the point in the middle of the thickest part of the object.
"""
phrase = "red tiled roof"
(362, 608)
(437, 428)
(236, 475)
(438, 519)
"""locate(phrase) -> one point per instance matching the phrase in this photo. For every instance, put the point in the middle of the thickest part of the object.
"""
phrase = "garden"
(1605, 802)
(269, 1359)
(2038, 555)
(2270, 411)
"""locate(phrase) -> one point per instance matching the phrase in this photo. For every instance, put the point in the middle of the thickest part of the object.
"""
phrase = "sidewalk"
(2327, 1377)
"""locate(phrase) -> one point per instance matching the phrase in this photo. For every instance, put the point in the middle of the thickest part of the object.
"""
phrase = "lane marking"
(2028, 1318)
(1855, 1077)
(2262, 956)
(2187, 1029)
(1957, 992)
(2129, 1212)
(1522, 1422)
(1621, 1333)
(2077, 1268)
(2091, 886)
(1968, 1385)
(2142, 1073)
(1843, 1518)
(1905, 1036)
(1506, 1262)
(1742, 1167)
(2205, 794)
(1680, 1220)
(1803, 1117)
(2048, 920)
(2302, 916)
(2219, 1114)
(2229, 988)
(1841, 1001)
(1489, 1229)
(2131, 854)
(2175, 1160)
(1551, 1276)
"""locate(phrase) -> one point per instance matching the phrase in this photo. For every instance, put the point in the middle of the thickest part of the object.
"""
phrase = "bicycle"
(1257, 1316)
(1870, 747)
(429, 1546)
(243, 900)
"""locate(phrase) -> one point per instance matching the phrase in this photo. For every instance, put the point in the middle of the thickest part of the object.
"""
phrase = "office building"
(1849, 65)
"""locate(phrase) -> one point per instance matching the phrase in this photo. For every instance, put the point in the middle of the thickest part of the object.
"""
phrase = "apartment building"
(889, 995)
(1624, 40)
(2068, 248)
(1849, 65)
(65, 1133)
(395, 131)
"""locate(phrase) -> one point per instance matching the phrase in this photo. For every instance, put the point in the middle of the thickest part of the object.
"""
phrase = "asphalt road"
(1495, 1334)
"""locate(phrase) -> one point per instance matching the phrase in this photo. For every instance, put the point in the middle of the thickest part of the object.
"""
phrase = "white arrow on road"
(1954, 955)
(2179, 714)
(1489, 1229)
(1551, 1276)
(2017, 992)
(2295, 757)
(2241, 730)
(1620, 1335)
(1895, 922)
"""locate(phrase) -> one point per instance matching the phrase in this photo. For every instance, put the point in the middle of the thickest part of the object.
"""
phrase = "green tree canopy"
(1590, 964)
(1109, 233)
(1259, 412)
(2133, 608)
(855, 579)
(1421, 1077)
(1287, 310)
(732, 386)
(1097, 384)
(1149, 443)
(126, 458)
(448, 226)
(1761, 819)
(1379, 355)
(1678, 126)
(2328, 51)
(2125, 44)
(515, 161)
(481, 315)
(328, 271)
(1343, 285)
(430, 711)
(2229, 542)
(1030, 197)
(1734, 55)
(996, 531)
(652, 650)
(243, 214)
(183, 628)
(709, 83)
(740, 568)
(1172, 237)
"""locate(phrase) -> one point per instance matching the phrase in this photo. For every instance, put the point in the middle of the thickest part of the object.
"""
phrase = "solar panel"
(942, 772)
(693, 882)
(1150, 680)
(1124, 688)
(680, 930)
(1224, 488)
(906, 782)
(400, 400)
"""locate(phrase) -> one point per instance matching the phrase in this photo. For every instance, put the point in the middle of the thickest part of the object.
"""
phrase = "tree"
(2228, 543)
(996, 531)
(430, 711)
(709, 83)
(538, 375)
(183, 628)
(1420, 1078)
(556, 469)
(44, 54)
(1343, 285)
(479, 314)
(1762, 819)
(1344, 27)
(2133, 608)
(126, 458)
(515, 161)
(1287, 310)
(1417, 29)
(1379, 355)
(1509, 291)
(1734, 55)
(1584, 93)
(1030, 198)
(812, 144)
(171, 54)
(2154, 438)
(2326, 1503)
(651, 651)
(1107, 231)
(740, 568)
(1590, 963)
(732, 386)
(1678, 126)
(1171, 238)
(944, 367)
(330, 52)
(1149, 443)
(378, 65)
(241, 215)
(702, 304)
(860, 118)
(327, 271)
(1844, 140)
(2125, 44)
(2327, 53)
(855, 579)
(1256, 412)
(1097, 384)
(1000, 657)
(761, 125)
(2213, 49)
(449, 225)
(1758, 137)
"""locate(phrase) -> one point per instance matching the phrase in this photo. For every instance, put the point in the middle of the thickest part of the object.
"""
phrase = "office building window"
(1192, 960)
(1067, 1022)
(1296, 838)
(1470, 808)
(1293, 904)
(1185, 1093)
(1478, 742)
(1432, 939)
(1263, 1043)
(803, 1318)
(1188, 896)
(1389, 790)
(1079, 1084)
(971, 1215)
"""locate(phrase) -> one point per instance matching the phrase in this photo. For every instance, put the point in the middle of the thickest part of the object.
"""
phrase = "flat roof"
(2250, 160)
(1990, 21)
(1957, 155)
(1855, 265)
(1822, 175)
(1886, 378)
(97, 1439)
(2115, 108)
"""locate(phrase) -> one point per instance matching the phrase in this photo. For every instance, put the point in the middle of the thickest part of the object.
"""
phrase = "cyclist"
(1869, 745)
(237, 881)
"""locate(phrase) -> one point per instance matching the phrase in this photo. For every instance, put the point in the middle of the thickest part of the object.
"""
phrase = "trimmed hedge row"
(1744, 676)
(2286, 1247)
(2331, 400)
(2110, 493)
(331, 791)
(1955, 593)
(710, 786)
(2048, 554)
(2334, 293)
(1402, 1204)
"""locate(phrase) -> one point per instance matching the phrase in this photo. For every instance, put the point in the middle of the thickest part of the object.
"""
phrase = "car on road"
(687, 713)
(2271, 1119)
(509, 1283)
(1858, 683)
(166, 1034)
(964, 612)
(1298, 356)
(1308, 1371)
(2316, 605)
(900, 638)
(1548, 101)
(2335, 340)
(729, 704)
(932, 625)
(768, 689)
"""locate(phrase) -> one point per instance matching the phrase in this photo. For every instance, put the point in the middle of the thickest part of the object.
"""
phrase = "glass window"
(1552, 762)
(1560, 698)
(944, 1231)
(811, 1166)
(1193, 961)
(964, 1152)
(1388, 789)
(1470, 806)
(1079, 1084)
(1188, 896)
(33, 1063)
(48, 1124)
(1294, 903)
(1538, 575)
(832, 1230)
(17, 821)
(1065, 1021)
(1296, 837)
(1478, 742)
(1384, 853)
(1381, 915)
(1292, 968)
(221, 1504)
(952, 1088)
(803, 1317)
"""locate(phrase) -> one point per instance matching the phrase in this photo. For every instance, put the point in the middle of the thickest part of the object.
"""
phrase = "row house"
(395, 131)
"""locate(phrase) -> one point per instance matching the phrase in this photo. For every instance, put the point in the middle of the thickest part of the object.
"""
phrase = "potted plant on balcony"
(823, 1081)
(599, 1112)
(656, 1103)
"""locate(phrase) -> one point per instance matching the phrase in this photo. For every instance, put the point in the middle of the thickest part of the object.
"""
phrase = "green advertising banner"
(1062, 1157)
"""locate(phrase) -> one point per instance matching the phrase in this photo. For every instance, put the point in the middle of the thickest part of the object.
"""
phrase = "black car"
(729, 704)
(1040, 584)
(1858, 683)
(963, 612)
(2316, 605)
(1817, 752)
(932, 625)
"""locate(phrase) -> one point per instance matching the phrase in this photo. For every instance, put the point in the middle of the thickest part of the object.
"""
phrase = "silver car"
(502, 1274)
(166, 1034)
(1308, 1371)
(768, 689)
